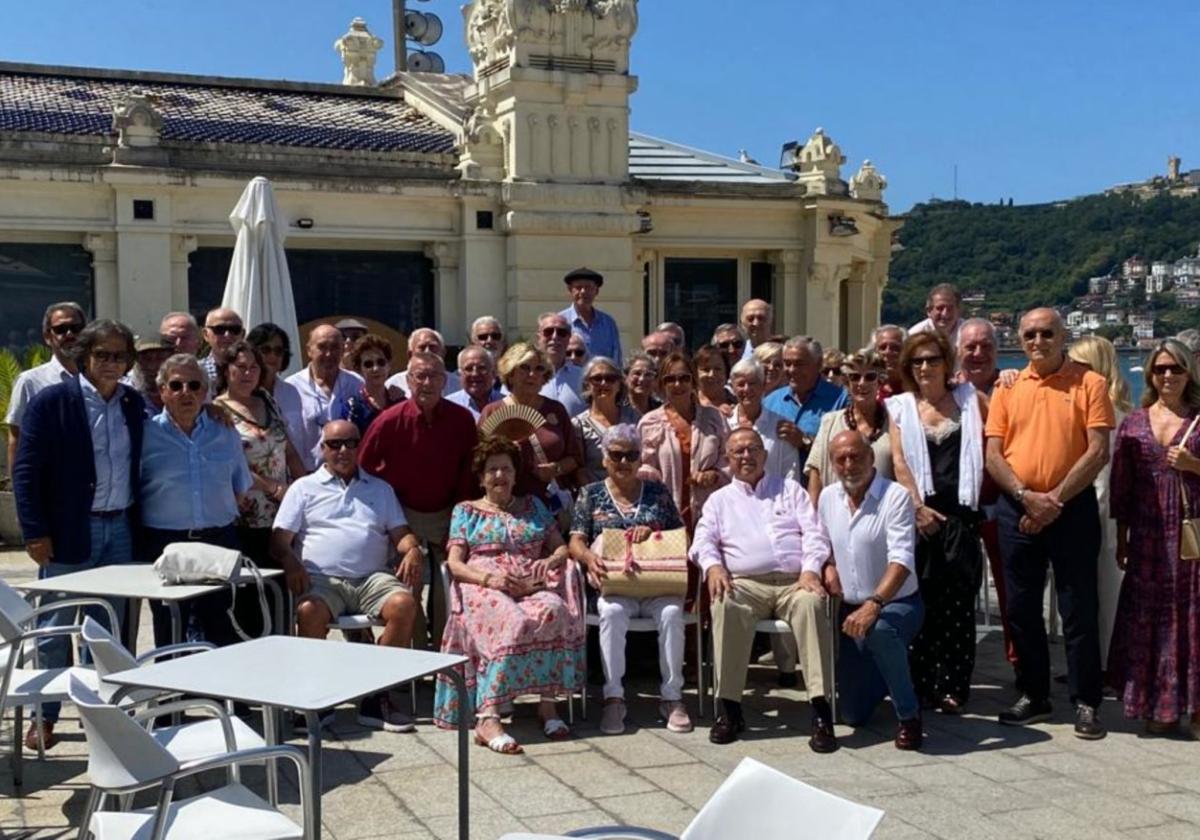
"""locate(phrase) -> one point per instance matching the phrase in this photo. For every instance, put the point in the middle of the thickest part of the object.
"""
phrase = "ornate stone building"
(427, 198)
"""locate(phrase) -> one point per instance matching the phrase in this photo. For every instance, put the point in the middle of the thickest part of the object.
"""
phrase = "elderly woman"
(831, 367)
(371, 358)
(641, 374)
(625, 502)
(683, 443)
(936, 436)
(769, 354)
(864, 372)
(193, 478)
(524, 369)
(515, 612)
(577, 350)
(712, 379)
(1154, 662)
(748, 380)
(275, 350)
(604, 392)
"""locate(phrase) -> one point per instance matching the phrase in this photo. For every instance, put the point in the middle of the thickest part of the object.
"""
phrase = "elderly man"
(488, 333)
(182, 330)
(422, 448)
(942, 306)
(1047, 438)
(678, 336)
(888, 341)
(323, 385)
(222, 329)
(872, 569)
(76, 476)
(193, 477)
(658, 345)
(346, 521)
(566, 382)
(425, 340)
(61, 323)
(352, 330)
(758, 322)
(808, 396)
(477, 373)
(152, 351)
(597, 329)
(731, 341)
(754, 539)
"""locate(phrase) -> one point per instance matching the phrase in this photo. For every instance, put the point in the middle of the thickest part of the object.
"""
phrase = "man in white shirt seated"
(345, 521)
(755, 537)
(872, 529)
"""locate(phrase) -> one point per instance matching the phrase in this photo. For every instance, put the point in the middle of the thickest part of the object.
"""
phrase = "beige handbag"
(653, 568)
(1189, 528)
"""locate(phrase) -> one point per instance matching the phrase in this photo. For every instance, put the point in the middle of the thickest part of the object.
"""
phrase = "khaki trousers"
(759, 597)
(433, 529)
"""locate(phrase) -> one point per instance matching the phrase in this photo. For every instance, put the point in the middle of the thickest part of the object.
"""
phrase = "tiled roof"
(651, 159)
(309, 116)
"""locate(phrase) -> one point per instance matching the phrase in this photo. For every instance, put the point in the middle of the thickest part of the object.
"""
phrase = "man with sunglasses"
(565, 384)
(61, 323)
(597, 329)
(488, 333)
(222, 329)
(1047, 439)
(731, 341)
(76, 476)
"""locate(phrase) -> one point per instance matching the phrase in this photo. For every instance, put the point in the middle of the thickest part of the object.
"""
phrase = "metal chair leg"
(18, 746)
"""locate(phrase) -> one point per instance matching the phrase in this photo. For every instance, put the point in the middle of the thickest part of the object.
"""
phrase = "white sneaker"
(612, 716)
(676, 715)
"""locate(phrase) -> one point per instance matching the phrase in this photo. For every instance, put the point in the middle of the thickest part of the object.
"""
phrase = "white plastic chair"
(21, 686)
(124, 758)
(760, 802)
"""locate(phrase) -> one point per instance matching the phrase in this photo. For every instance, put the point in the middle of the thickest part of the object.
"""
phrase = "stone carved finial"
(867, 184)
(358, 48)
(137, 120)
(597, 29)
(819, 165)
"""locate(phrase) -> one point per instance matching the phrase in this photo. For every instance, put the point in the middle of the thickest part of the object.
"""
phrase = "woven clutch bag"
(653, 568)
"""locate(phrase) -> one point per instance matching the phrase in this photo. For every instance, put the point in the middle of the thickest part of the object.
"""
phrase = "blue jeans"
(875, 667)
(112, 543)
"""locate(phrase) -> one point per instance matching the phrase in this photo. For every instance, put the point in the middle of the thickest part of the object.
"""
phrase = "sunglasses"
(1174, 370)
(556, 332)
(604, 379)
(622, 456)
(872, 376)
(62, 329)
(226, 329)
(177, 385)
(529, 370)
(105, 357)
(576, 353)
(1031, 335)
(272, 350)
(926, 361)
(490, 336)
(372, 365)
(678, 379)
(337, 444)
(731, 345)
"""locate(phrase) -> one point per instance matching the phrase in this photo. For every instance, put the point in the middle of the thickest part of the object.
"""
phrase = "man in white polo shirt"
(341, 521)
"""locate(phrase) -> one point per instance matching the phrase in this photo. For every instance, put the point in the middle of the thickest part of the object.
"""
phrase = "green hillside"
(1035, 254)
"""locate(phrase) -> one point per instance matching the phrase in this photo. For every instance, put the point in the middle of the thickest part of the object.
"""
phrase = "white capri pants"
(667, 612)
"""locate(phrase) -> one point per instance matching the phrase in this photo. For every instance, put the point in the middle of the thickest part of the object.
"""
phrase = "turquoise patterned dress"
(531, 645)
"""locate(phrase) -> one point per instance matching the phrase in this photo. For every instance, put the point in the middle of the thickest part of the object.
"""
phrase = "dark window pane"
(762, 281)
(33, 276)
(700, 294)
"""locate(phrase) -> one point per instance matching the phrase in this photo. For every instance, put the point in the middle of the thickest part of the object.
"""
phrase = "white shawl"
(903, 410)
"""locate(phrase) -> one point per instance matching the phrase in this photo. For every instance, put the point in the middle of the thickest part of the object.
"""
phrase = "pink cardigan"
(662, 459)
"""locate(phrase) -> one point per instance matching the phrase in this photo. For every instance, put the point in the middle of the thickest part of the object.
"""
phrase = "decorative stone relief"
(358, 48)
(599, 29)
(137, 120)
(867, 184)
(819, 165)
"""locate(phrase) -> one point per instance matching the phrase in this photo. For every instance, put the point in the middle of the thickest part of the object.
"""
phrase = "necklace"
(852, 424)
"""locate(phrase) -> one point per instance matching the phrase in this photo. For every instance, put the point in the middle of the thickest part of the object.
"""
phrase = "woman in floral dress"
(515, 611)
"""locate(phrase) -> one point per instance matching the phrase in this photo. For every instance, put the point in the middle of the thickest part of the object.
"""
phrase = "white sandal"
(555, 729)
(502, 743)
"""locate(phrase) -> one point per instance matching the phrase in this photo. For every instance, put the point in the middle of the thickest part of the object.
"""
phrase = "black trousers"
(209, 612)
(1070, 545)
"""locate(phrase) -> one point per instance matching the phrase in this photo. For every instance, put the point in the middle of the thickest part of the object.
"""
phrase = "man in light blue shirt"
(807, 398)
(566, 382)
(597, 329)
(193, 475)
(477, 373)
(323, 386)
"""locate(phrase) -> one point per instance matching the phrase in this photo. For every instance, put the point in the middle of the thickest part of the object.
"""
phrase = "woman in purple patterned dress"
(1154, 661)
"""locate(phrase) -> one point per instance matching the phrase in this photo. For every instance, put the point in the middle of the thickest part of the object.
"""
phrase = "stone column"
(790, 302)
(181, 251)
(449, 304)
(103, 248)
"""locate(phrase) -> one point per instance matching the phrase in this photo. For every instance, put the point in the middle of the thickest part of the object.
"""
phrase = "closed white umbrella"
(259, 287)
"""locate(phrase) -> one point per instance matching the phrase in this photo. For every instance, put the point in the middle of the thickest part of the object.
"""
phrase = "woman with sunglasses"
(683, 443)
(864, 372)
(641, 378)
(831, 367)
(624, 502)
(577, 351)
(604, 392)
(712, 379)
(371, 358)
(275, 349)
(937, 442)
(1154, 663)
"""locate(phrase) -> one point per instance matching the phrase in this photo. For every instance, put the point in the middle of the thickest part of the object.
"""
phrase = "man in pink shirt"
(755, 538)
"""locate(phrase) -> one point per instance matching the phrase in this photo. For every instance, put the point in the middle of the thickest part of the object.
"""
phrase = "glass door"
(699, 294)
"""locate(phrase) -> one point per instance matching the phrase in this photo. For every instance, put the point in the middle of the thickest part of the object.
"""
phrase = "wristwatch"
(1020, 495)
(877, 600)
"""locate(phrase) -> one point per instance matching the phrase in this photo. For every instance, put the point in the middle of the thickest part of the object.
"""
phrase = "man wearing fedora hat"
(597, 329)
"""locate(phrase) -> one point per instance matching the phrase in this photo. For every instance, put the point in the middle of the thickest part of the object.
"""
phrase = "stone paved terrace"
(974, 779)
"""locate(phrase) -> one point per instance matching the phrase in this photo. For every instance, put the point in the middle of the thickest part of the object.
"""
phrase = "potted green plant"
(11, 366)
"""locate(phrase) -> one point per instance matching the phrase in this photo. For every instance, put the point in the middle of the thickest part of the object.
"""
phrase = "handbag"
(1189, 528)
(183, 563)
(652, 568)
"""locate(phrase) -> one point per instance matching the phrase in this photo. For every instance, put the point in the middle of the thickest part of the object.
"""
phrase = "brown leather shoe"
(48, 737)
(823, 740)
(725, 729)
(909, 735)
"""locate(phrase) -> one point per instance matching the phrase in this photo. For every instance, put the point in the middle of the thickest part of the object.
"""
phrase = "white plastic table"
(306, 675)
(139, 582)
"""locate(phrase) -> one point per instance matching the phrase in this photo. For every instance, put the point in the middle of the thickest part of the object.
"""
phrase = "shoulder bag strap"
(1183, 495)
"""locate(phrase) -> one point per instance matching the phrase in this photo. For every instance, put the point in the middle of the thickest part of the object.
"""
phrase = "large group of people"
(852, 497)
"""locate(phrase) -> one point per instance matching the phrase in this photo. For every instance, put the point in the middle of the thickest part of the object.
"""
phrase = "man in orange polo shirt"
(1047, 441)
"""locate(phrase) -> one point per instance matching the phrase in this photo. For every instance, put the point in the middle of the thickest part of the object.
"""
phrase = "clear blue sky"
(1032, 100)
